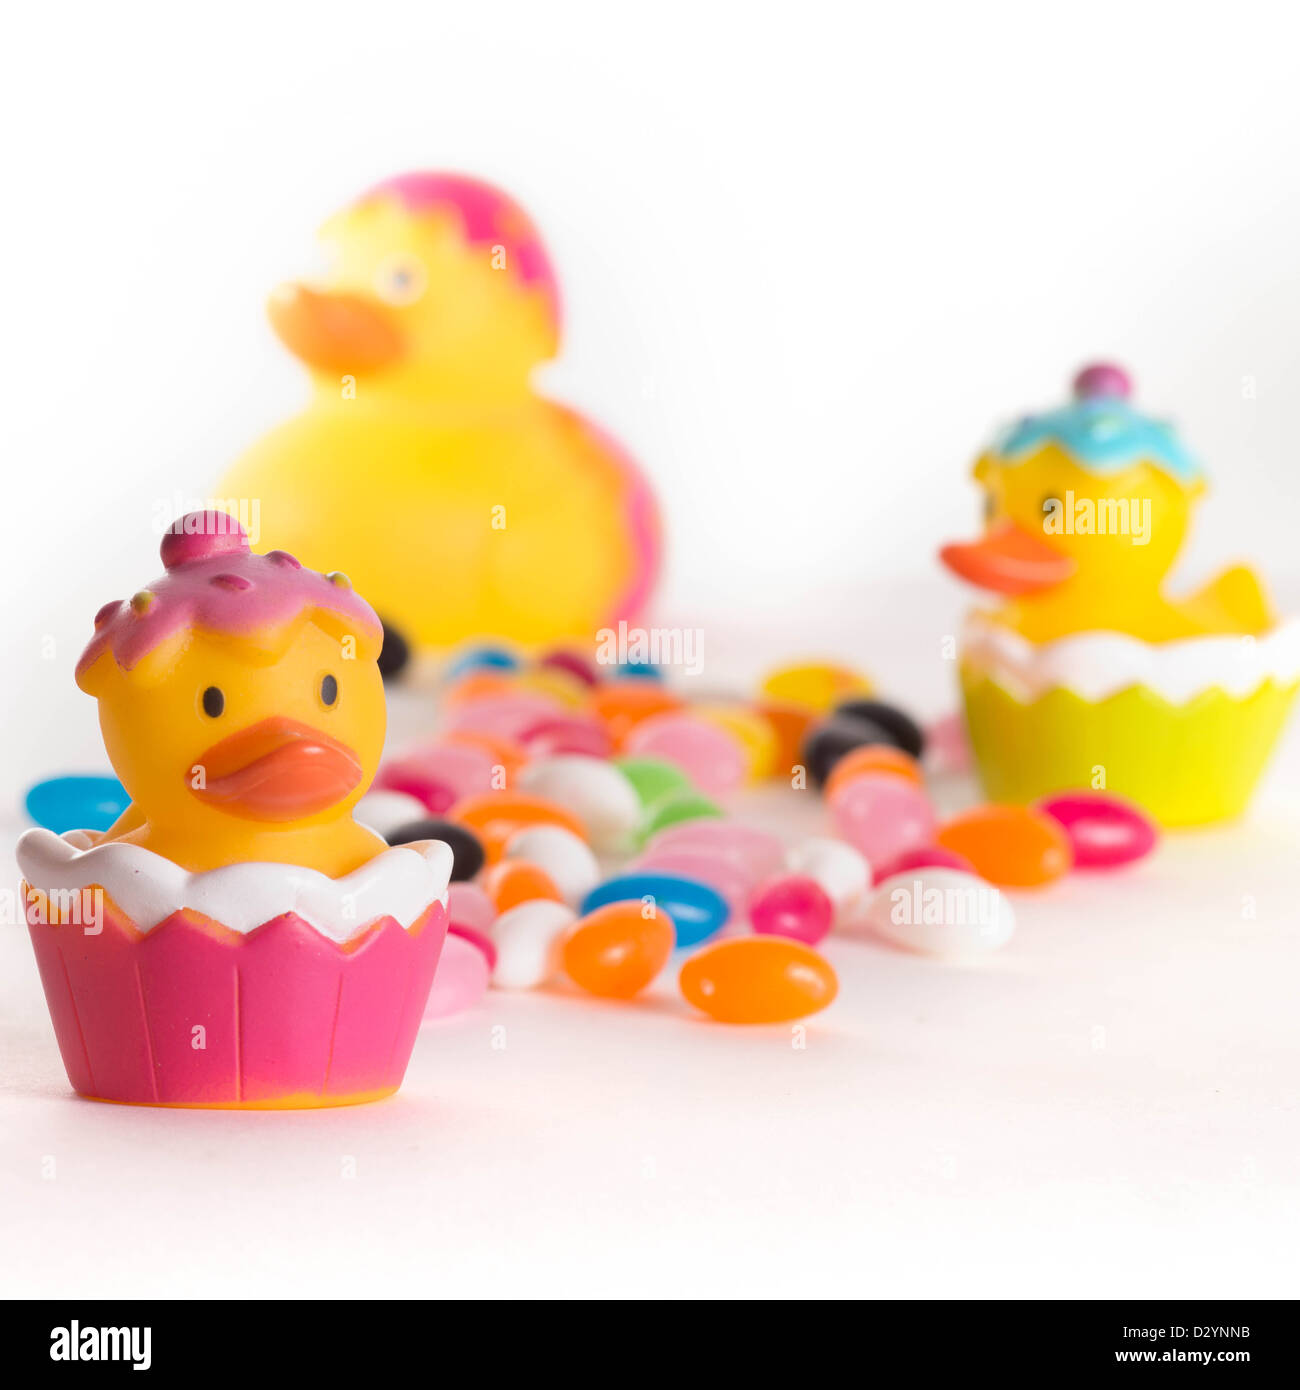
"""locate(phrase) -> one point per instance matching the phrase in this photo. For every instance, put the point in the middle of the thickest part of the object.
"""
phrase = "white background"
(809, 259)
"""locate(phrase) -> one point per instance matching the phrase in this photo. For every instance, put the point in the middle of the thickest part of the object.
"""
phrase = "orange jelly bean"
(1012, 846)
(617, 950)
(621, 705)
(790, 723)
(515, 881)
(873, 757)
(495, 816)
(756, 979)
(475, 685)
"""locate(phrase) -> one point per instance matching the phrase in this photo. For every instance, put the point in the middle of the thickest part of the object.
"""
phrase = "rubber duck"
(235, 939)
(1088, 675)
(462, 502)
(241, 706)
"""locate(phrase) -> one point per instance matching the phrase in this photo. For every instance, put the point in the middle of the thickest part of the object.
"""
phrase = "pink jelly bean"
(564, 660)
(469, 906)
(723, 875)
(1104, 830)
(947, 748)
(476, 938)
(465, 768)
(435, 796)
(883, 816)
(461, 979)
(711, 757)
(759, 853)
(503, 716)
(566, 733)
(795, 906)
(924, 857)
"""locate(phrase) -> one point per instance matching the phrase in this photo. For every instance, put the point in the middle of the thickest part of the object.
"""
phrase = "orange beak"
(334, 332)
(1009, 560)
(276, 770)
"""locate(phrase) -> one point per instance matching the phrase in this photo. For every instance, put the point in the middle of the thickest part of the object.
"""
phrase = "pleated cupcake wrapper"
(192, 1013)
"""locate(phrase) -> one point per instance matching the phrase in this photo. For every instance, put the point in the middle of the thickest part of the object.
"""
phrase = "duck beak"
(1008, 560)
(276, 770)
(334, 332)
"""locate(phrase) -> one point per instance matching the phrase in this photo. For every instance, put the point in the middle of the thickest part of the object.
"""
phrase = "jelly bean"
(529, 939)
(563, 687)
(924, 857)
(639, 671)
(577, 666)
(711, 757)
(902, 730)
(697, 910)
(1104, 830)
(941, 912)
(815, 685)
(842, 872)
(759, 853)
(831, 740)
(1014, 846)
(476, 938)
(789, 724)
(77, 803)
(947, 746)
(873, 757)
(752, 732)
(621, 705)
(795, 906)
(598, 794)
(467, 849)
(430, 795)
(479, 658)
(652, 778)
(503, 716)
(497, 760)
(566, 733)
(721, 874)
(382, 811)
(882, 815)
(477, 685)
(514, 881)
(461, 979)
(617, 950)
(758, 979)
(677, 808)
(469, 906)
(567, 859)
(494, 818)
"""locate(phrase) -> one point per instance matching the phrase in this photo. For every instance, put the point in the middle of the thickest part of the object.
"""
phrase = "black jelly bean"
(394, 655)
(826, 743)
(467, 852)
(903, 731)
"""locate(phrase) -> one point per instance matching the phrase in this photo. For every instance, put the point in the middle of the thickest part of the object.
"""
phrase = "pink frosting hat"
(215, 584)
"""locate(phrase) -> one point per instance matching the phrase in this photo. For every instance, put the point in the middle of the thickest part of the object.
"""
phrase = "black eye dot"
(213, 702)
(329, 690)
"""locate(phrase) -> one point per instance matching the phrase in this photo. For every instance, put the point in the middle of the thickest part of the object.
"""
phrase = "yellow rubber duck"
(241, 706)
(1088, 675)
(462, 503)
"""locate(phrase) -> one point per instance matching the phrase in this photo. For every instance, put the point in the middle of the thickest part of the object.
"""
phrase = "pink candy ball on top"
(883, 816)
(794, 906)
(708, 755)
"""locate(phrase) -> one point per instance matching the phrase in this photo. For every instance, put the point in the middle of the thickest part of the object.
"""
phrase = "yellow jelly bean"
(817, 685)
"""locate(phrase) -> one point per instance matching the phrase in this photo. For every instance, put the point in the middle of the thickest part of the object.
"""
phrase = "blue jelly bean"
(696, 909)
(481, 658)
(640, 668)
(77, 803)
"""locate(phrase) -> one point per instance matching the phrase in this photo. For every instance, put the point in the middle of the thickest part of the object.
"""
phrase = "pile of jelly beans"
(586, 810)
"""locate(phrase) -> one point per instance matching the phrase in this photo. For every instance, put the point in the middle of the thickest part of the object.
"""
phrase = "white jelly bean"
(384, 811)
(594, 790)
(528, 939)
(567, 859)
(941, 912)
(841, 870)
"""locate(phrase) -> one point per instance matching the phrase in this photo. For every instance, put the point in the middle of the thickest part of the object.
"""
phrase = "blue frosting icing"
(1105, 435)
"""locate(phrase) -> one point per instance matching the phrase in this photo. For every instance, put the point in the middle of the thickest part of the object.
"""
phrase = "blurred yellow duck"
(462, 503)
(1088, 674)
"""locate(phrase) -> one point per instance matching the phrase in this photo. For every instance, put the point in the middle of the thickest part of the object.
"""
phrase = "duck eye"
(329, 691)
(213, 702)
(400, 280)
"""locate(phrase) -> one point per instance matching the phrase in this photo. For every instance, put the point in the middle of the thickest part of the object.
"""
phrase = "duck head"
(1085, 506)
(437, 286)
(239, 695)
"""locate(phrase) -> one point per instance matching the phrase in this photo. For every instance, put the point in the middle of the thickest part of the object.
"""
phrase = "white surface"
(1106, 1108)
